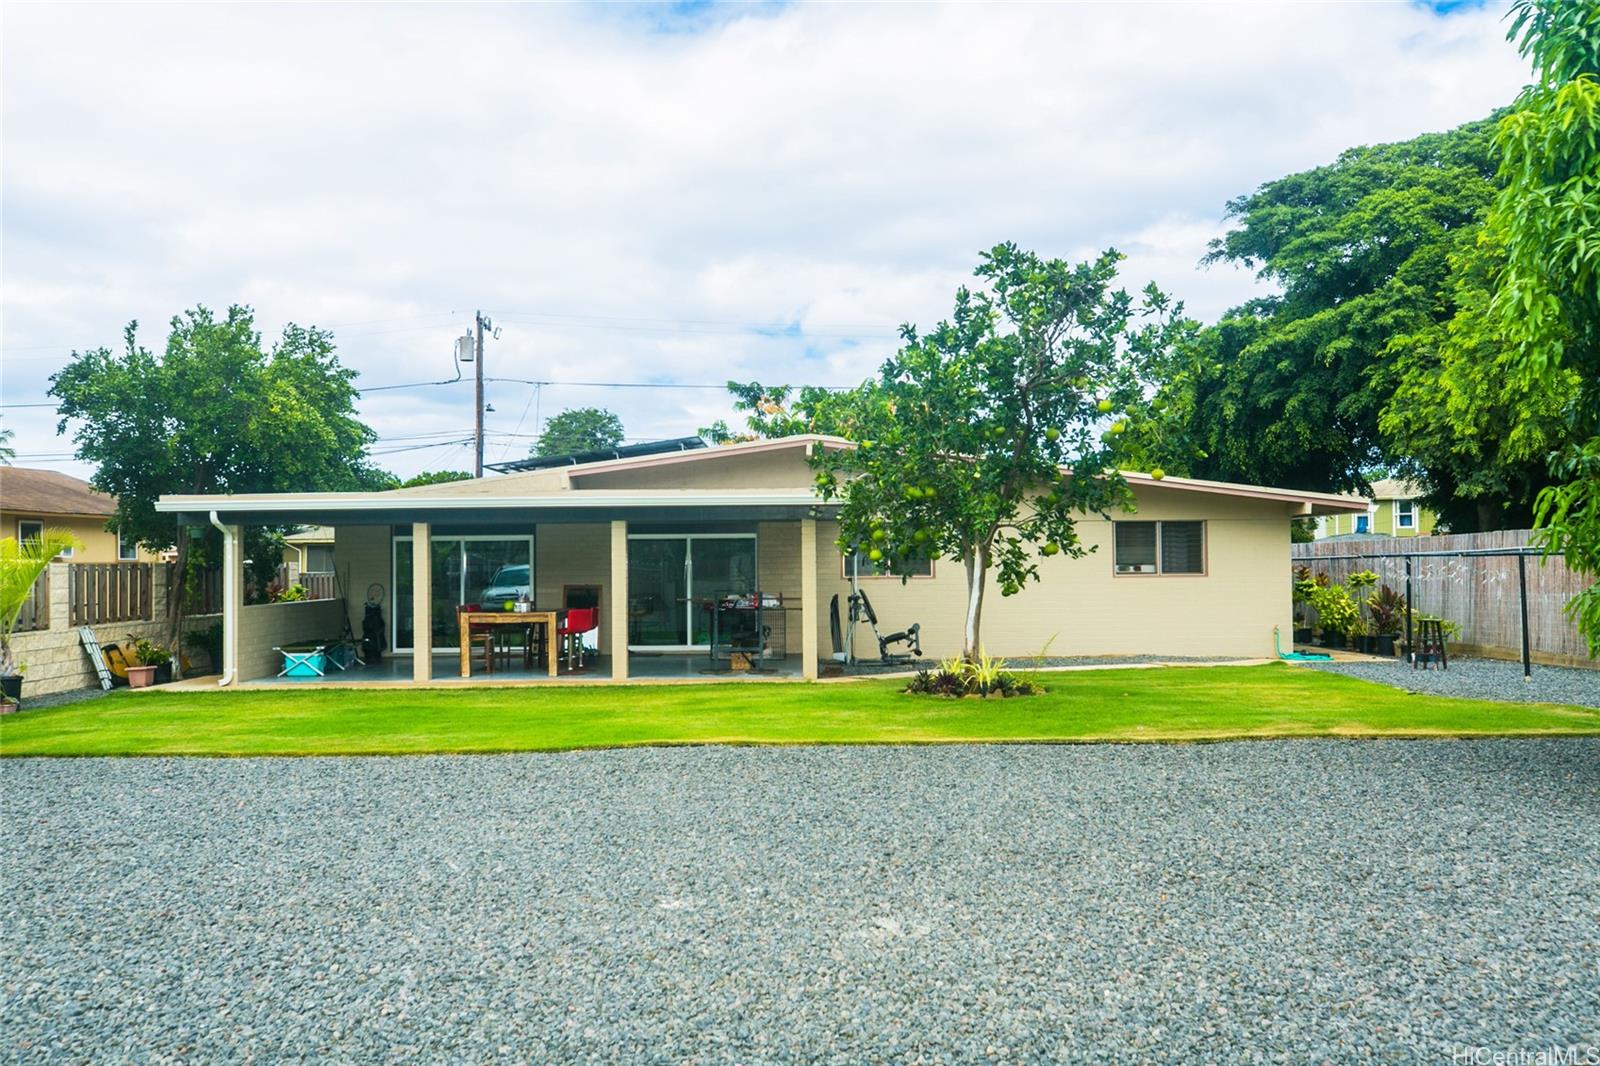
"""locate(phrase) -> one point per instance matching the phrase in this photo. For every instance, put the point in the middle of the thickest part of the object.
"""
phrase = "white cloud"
(632, 192)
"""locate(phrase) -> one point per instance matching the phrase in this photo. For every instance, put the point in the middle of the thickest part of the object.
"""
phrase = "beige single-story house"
(32, 501)
(668, 540)
(309, 551)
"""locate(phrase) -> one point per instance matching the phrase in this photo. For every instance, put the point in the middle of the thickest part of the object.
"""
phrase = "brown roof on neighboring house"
(26, 491)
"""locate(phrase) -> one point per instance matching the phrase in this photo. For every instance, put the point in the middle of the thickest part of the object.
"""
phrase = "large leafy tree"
(775, 411)
(579, 429)
(1288, 389)
(1476, 437)
(434, 477)
(214, 412)
(1546, 298)
(985, 439)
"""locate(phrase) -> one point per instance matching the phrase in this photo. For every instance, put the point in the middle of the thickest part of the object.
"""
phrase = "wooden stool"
(1430, 645)
(485, 640)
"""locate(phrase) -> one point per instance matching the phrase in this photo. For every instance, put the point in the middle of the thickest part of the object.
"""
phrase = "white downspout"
(230, 619)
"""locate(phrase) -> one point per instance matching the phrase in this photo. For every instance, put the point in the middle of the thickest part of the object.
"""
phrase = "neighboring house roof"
(555, 489)
(27, 491)
(1395, 489)
(311, 535)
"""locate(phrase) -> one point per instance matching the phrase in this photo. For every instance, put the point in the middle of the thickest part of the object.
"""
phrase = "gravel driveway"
(1293, 901)
(1480, 679)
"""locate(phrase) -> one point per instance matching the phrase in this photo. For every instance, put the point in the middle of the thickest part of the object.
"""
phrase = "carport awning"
(593, 505)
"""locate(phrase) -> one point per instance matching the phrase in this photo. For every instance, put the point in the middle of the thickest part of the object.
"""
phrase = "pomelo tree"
(986, 439)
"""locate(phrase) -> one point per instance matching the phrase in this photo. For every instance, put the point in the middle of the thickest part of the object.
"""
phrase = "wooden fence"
(319, 584)
(1478, 593)
(36, 608)
(205, 590)
(110, 592)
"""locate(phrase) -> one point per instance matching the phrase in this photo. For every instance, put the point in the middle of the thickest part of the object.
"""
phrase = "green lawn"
(1167, 704)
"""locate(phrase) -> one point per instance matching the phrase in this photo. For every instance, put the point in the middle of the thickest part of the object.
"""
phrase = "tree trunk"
(177, 589)
(977, 564)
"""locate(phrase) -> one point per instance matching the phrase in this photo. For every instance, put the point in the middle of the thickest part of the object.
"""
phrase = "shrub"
(985, 676)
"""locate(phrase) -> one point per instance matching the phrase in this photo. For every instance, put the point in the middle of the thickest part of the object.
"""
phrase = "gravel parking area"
(1482, 679)
(1271, 901)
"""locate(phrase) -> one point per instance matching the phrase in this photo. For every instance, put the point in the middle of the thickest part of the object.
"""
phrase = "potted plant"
(1336, 612)
(154, 655)
(1360, 635)
(1386, 607)
(140, 674)
(20, 566)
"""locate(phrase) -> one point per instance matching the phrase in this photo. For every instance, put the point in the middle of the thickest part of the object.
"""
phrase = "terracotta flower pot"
(141, 676)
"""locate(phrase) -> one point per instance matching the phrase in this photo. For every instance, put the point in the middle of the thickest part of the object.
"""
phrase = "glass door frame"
(688, 578)
(461, 539)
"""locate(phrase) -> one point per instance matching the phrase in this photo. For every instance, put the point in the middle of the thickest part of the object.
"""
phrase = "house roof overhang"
(378, 508)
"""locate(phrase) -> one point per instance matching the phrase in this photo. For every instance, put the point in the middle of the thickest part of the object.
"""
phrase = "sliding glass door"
(673, 578)
(465, 570)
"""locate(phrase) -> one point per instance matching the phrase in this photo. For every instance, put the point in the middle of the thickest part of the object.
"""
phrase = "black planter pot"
(164, 674)
(1332, 640)
(1302, 635)
(1383, 644)
(1365, 644)
(12, 687)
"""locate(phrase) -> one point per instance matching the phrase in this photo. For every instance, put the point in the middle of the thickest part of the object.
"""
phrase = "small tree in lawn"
(992, 434)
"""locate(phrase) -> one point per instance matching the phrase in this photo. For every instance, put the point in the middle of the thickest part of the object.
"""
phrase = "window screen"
(1136, 547)
(1183, 547)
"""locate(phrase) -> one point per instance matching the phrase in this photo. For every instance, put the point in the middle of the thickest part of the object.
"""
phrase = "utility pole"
(477, 462)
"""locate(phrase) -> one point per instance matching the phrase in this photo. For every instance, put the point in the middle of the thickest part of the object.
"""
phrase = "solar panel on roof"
(625, 451)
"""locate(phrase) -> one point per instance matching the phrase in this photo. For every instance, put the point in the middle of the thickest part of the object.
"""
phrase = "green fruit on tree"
(878, 534)
(875, 555)
(1118, 426)
(1158, 473)
(1052, 434)
(920, 535)
(913, 493)
(927, 492)
(1051, 547)
(1105, 407)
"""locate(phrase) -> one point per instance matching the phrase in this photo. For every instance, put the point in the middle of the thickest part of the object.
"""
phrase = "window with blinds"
(1160, 547)
(1136, 547)
(1183, 547)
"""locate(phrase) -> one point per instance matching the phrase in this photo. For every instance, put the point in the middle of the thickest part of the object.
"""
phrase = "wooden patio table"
(506, 618)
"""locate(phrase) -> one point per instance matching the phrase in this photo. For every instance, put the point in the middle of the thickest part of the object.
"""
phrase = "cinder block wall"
(264, 626)
(54, 659)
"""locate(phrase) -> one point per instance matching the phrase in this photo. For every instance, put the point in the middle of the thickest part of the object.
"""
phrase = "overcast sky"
(652, 194)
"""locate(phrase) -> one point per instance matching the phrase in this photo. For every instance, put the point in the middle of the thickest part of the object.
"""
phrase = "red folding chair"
(579, 620)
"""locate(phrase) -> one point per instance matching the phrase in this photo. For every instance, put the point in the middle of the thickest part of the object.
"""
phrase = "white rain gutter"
(581, 500)
(230, 617)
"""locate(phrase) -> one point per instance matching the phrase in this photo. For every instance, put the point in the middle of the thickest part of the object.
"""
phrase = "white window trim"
(126, 555)
(1405, 519)
(1160, 571)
